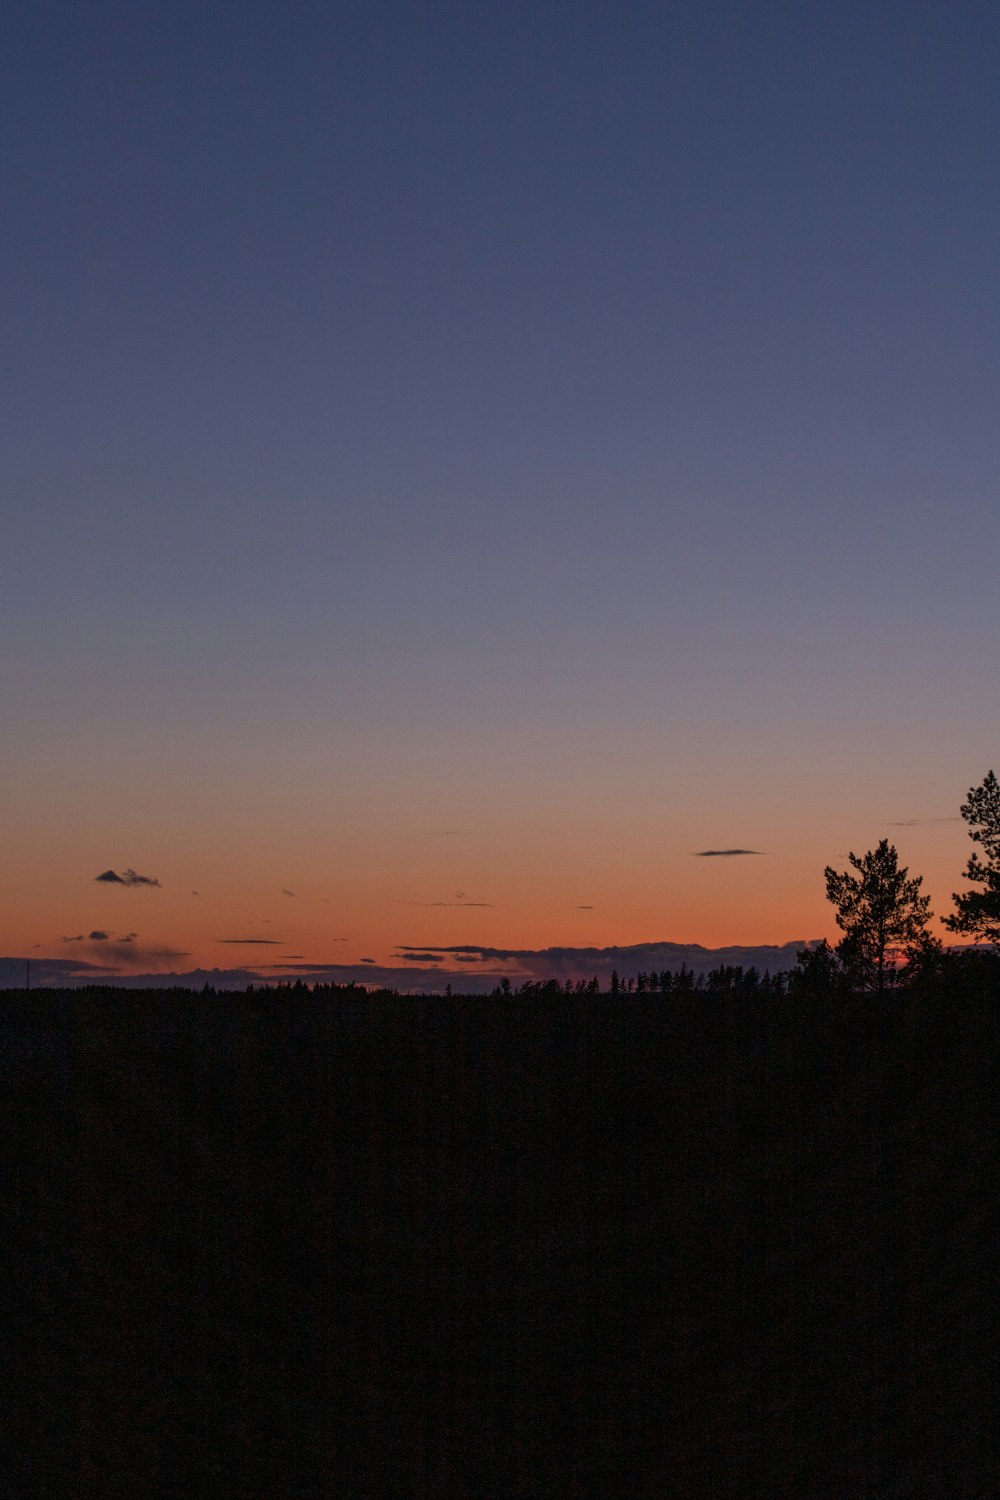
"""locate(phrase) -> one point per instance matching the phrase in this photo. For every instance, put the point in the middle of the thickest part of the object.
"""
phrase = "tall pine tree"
(978, 911)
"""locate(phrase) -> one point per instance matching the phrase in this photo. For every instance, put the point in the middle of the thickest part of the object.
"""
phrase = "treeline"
(727, 980)
(820, 975)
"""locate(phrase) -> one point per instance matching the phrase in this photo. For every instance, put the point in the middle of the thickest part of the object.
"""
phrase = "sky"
(461, 462)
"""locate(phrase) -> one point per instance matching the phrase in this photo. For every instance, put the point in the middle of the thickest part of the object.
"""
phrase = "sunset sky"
(461, 462)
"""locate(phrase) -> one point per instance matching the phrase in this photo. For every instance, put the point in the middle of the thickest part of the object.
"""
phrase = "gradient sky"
(459, 461)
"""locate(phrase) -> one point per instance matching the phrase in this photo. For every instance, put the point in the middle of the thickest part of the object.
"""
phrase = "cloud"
(723, 853)
(916, 822)
(250, 942)
(118, 952)
(127, 877)
(100, 936)
(286, 893)
(55, 972)
(452, 903)
(369, 960)
(583, 908)
(460, 955)
(412, 949)
(114, 955)
(46, 972)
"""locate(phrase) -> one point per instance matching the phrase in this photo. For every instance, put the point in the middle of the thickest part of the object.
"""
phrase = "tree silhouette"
(819, 974)
(879, 911)
(978, 912)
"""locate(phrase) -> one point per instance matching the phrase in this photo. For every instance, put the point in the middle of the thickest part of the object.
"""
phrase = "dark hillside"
(333, 1244)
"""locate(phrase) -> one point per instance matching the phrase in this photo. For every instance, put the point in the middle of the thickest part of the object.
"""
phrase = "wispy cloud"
(916, 822)
(127, 878)
(723, 853)
(284, 892)
(100, 936)
(125, 952)
(252, 942)
(410, 950)
(113, 954)
(452, 903)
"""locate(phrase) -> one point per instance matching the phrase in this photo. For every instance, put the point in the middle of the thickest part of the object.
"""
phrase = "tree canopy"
(881, 913)
(978, 911)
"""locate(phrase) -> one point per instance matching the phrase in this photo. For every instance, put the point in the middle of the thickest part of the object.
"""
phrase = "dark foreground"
(321, 1246)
